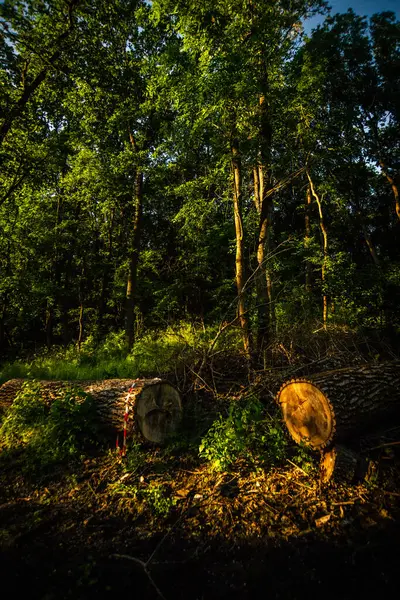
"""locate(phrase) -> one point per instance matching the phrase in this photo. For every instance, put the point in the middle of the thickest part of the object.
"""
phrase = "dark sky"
(361, 7)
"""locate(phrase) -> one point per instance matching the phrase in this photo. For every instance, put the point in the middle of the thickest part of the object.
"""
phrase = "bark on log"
(154, 405)
(337, 405)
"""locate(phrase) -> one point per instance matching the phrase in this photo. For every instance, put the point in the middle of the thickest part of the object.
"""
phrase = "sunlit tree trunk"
(324, 233)
(307, 238)
(394, 184)
(240, 281)
(80, 332)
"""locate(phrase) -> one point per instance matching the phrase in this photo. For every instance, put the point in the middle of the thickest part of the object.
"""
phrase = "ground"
(162, 523)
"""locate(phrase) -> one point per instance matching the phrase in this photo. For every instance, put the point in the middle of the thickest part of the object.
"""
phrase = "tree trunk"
(370, 245)
(2, 333)
(340, 405)
(106, 278)
(325, 252)
(394, 185)
(134, 254)
(49, 325)
(154, 406)
(3, 322)
(264, 206)
(307, 238)
(80, 333)
(237, 211)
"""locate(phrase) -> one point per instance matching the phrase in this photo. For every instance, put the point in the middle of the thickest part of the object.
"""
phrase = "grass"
(154, 354)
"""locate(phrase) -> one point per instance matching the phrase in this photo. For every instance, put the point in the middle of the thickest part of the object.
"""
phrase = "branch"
(29, 90)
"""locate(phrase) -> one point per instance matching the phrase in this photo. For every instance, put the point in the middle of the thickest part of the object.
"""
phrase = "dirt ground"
(170, 527)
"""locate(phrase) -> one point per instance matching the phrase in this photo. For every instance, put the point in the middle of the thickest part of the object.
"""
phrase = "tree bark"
(394, 185)
(80, 332)
(49, 324)
(307, 238)
(154, 406)
(340, 405)
(237, 211)
(325, 252)
(264, 207)
(134, 254)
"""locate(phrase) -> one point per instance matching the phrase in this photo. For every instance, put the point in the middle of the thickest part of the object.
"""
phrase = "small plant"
(158, 499)
(245, 433)
(135, 457)
(304, 458)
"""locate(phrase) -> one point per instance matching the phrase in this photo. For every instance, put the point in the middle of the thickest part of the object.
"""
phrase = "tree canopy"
(209, 162)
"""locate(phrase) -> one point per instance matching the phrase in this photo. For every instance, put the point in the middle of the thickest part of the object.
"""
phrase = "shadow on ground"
(64, 555)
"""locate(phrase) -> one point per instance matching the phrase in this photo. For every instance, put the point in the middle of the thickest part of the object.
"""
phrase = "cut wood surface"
(343, 404)
(154, 406)
(343, 465)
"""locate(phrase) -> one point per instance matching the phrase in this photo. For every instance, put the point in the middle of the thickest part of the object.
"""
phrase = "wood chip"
(322, 520)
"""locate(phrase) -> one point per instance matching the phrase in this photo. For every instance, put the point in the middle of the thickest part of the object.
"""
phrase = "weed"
(158, 499)
(135, 457)
(304, 458)
(246, 432)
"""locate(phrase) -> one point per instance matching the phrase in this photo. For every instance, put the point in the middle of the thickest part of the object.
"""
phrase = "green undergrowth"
(246, 432)
(60, 442)
(43, 435)
(155, 353)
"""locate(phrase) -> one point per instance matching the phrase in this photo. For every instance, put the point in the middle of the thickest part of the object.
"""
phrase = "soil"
(172, 527)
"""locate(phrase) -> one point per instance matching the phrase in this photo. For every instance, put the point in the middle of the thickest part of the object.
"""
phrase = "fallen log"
(327, 408)
(153, 406)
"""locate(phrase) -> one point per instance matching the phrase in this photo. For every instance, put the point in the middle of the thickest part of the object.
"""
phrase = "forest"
(200, 199)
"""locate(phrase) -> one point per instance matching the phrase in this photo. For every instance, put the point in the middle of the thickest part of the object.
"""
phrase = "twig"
(390, 493)
(384, 445)
(145, 569)
(303, 485)
(297, 467)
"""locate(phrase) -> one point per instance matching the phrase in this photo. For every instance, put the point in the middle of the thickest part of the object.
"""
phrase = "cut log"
(338, 405)
(342, 465)
(154, 406)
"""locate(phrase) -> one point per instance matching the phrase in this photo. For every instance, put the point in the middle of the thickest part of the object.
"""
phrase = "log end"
(158, 412)
(307, 413)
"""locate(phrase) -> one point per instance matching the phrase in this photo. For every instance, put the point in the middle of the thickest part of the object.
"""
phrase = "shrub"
(50, 434)
(246, 432)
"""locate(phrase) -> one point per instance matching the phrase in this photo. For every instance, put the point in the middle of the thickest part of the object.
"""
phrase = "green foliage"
(50, 434)
(158, 499)
(246, 432)
(27, 413)
(304, 458)
(82, 121)
(156, 352)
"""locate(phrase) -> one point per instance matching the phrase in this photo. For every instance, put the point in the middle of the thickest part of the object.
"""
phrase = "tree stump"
(154, 406)
(330, 407)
